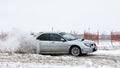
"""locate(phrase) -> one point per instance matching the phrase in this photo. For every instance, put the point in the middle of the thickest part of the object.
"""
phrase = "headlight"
(88, 44)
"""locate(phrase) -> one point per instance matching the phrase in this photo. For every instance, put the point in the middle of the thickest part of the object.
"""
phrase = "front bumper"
(90, 49)
(95, 48)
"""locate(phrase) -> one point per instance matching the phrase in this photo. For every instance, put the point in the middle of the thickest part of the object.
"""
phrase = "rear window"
(44, 37)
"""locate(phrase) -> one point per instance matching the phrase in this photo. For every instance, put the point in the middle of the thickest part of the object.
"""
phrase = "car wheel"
(75, 51)
(84, 54)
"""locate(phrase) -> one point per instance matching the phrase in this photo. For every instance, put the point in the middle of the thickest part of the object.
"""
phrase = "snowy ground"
(108, 55)
(99, 59)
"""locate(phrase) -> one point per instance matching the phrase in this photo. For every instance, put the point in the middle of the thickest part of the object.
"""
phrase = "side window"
(44, 37)
(55, 37)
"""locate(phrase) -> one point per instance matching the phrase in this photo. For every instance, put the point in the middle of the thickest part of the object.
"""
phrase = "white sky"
(62, 15)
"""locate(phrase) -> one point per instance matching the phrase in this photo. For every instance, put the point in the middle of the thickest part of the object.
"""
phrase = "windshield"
(67, 36)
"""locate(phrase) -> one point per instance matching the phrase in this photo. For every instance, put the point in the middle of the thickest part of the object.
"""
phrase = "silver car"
(63, 43)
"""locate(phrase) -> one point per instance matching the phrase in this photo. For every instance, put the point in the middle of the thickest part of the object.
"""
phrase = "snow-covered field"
(14, 53)
(99, 59)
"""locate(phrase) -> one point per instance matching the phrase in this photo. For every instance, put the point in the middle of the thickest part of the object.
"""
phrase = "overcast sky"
(62, 15)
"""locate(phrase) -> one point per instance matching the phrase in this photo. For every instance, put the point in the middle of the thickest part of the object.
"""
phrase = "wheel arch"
(74, 46)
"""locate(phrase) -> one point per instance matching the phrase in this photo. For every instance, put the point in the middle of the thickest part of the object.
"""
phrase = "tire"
(84, 54)
(75, 51)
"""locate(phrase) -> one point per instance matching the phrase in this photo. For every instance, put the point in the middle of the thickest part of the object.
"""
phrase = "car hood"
(86, 41)
(80, 42)
(76, 42)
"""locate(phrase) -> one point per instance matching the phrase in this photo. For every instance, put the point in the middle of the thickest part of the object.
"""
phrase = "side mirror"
(63, 40)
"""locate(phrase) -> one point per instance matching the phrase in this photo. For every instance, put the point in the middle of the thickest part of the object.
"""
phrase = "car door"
(57, 44)
(44, 41)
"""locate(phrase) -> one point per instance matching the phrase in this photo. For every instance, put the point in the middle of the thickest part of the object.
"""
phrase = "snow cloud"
(18, 41)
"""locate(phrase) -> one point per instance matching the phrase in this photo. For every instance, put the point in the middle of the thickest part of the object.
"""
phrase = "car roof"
(47, 32)
(50, 32)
